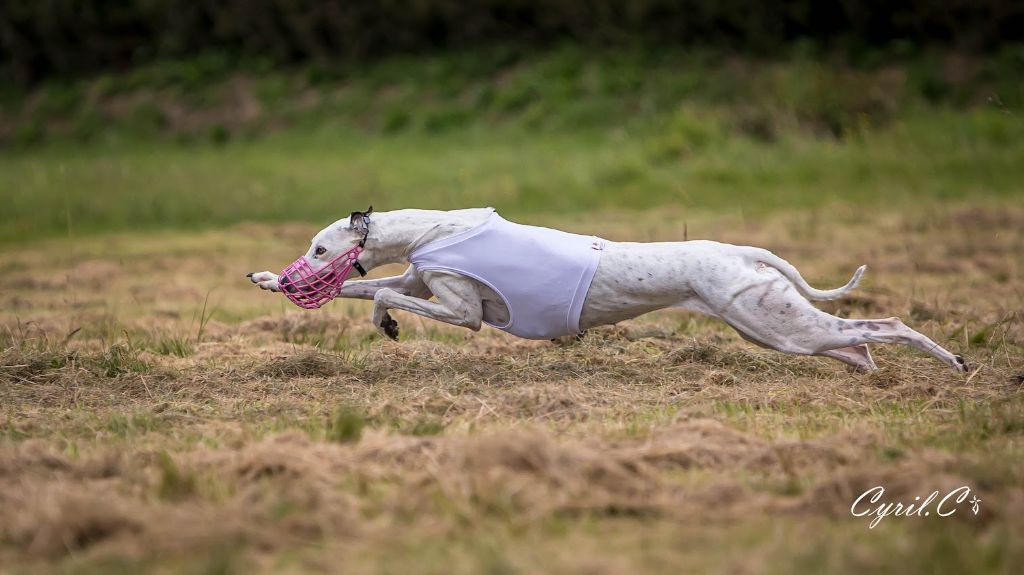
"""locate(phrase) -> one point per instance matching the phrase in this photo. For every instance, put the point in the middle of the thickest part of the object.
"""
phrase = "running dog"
(541, 283)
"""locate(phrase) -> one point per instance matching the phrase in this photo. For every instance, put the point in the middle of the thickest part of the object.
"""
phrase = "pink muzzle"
(310, 289)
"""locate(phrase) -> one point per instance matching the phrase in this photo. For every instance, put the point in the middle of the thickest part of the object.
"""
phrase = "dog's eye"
(320, 250)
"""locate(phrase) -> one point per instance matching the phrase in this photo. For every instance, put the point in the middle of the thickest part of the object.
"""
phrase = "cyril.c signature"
(871, 504)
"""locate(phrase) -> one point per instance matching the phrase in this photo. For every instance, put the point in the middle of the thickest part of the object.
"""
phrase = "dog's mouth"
(309, 289)
(294, 285)
(287, 285)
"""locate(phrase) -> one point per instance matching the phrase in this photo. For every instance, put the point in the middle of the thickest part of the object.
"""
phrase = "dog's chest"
(539, 275)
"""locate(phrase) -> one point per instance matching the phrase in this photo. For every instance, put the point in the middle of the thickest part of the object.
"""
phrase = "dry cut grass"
(146, 425)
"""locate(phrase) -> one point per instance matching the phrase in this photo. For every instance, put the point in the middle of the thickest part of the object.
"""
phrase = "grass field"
(159, 413)
(192, 145)
(148, 427)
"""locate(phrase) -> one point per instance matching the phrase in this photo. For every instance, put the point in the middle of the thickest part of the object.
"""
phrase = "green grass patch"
(169, 344)
(314, 177)
(345, 425)
(175, 483)
(556, 132)
(127, 426)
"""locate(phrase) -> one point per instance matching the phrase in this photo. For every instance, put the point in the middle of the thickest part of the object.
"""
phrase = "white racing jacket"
(542, 274)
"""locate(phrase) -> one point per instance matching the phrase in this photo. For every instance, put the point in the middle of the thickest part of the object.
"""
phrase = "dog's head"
(338, 238)
(316, 277)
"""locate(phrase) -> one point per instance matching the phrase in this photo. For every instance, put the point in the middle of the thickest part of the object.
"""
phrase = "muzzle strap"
(364, 226)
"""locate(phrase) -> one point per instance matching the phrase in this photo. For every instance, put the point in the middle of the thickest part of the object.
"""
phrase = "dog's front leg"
(409, 283)
(458, 303)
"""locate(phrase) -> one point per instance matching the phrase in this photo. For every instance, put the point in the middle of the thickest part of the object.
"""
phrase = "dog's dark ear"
(352, 218)
(355, 219)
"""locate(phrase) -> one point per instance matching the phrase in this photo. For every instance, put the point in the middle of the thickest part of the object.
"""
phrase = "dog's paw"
(266, 280)
(963, 366)
(389, 326)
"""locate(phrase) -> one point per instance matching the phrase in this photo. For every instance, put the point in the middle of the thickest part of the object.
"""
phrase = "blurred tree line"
(47, 38)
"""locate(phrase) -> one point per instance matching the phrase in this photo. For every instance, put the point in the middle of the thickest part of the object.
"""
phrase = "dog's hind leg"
(767, 309)
(889, 330)
(858, 356)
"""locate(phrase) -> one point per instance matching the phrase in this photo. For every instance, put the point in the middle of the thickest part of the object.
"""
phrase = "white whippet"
(760, 295)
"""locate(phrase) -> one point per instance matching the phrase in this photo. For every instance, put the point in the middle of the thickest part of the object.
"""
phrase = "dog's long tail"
(791, 273)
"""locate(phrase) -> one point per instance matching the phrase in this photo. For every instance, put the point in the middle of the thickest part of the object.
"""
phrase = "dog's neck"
(396, 234)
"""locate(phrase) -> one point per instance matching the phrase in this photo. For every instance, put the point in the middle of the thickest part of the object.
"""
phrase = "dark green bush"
(64, 37)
